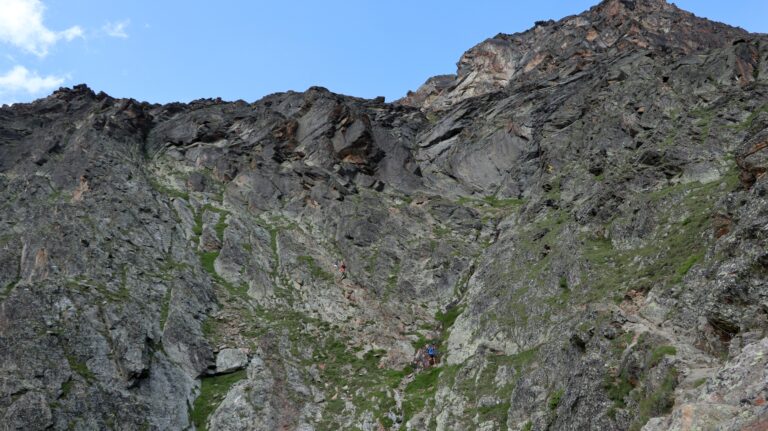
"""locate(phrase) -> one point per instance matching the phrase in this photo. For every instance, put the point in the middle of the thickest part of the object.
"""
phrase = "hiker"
(421, 360)
(343, 270)
(432, 352)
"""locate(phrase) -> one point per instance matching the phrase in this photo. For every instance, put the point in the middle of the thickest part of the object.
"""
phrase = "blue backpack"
(431, 351)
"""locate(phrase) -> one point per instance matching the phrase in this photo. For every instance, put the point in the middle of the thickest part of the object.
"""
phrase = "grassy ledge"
(212, 392)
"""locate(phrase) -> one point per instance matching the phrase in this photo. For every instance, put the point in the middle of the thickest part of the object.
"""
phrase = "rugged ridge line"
(556, 51)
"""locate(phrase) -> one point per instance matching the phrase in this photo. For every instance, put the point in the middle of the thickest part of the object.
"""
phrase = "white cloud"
(21, 80)
(116, 29)
(21, 24)
(71, 33)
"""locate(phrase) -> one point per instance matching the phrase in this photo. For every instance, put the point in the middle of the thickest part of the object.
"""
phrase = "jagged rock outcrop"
(577, 219)
(555, 52)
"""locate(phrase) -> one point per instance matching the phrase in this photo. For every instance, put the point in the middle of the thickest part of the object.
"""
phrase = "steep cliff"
(577, 219)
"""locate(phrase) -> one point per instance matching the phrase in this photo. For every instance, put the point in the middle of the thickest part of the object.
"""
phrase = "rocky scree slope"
(577, 218)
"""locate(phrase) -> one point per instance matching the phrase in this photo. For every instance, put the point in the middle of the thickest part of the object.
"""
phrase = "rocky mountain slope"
(577, 219)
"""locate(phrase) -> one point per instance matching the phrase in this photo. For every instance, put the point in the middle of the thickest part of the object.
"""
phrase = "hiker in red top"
(343, 270)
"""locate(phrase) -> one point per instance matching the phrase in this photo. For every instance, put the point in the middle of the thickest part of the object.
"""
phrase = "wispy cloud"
(21, 25)
(116, 29)
(21, 80)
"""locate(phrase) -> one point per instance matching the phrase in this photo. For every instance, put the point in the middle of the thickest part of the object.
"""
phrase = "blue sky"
(168, 50)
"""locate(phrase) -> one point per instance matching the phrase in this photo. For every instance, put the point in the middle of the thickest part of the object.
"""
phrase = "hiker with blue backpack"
(425, 357)
(432, 352)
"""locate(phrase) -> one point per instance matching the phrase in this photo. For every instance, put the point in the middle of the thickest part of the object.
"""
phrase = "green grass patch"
(273, 230)
(448, 318)
(441, 231)
(168, 270)
(82, 284)
(618, 388)
(66, 388)
(207, 259)
(392, 278)
(55, 195)
(372, 261)
(659, 353)
(165, 307)
(212, 392)
(80, 368)
(622, 390)
(747, 123)
(347, 375)
(669, 252)
(9, 287)
(421, 341)
(669, 141)
(421, 389)
(554, 399)
(620, 343)
(686, 266)
(495, 412)
(386, 422)
(657, 403)
(523, 359)
(5, 238)
(167, 191)
(315, 270)
(197, 229)
(705, 125)
(496, 202)
(491, 206)
(554, 191)
(221, 225)
(208, 327)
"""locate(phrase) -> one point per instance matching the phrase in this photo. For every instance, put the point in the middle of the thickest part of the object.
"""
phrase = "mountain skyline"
(171, 52)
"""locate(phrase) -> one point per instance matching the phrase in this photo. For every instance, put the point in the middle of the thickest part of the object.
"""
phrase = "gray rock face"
(248, 404)
(229, 360)
(577, 219)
